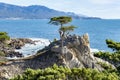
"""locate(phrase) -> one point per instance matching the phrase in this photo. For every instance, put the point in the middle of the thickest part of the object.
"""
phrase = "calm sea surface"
(98, 30)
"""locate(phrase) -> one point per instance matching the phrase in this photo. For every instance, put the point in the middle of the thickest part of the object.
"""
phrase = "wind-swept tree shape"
(67, 29)
(60, 21)
(113, 45)
(63, 30)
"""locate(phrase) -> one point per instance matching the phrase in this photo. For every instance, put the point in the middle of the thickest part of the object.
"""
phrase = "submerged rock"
(14, 54)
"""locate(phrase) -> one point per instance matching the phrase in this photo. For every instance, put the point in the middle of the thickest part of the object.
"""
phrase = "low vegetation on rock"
(64, 73)
(4, 36)
(113, 57)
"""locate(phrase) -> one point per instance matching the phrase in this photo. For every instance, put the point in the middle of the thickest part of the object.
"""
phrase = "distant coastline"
(14, 12)
(19, 18)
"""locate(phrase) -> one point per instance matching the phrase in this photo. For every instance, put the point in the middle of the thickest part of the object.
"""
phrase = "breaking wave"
(95, 50)
(31, 49)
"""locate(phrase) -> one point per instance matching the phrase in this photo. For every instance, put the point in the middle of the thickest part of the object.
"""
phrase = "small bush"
(4, 36)
(64, 73)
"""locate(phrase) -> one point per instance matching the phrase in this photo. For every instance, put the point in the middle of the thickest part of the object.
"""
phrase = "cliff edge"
(75, 52)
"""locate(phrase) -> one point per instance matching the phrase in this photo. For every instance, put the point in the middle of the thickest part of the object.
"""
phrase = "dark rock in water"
(19, 42)
(8, 48)
(14, 54)
(18, 47)
(16, 43)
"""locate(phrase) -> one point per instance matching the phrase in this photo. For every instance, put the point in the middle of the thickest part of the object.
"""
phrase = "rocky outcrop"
(74, 53)
(8, 48)
(19, 42)
(15, 67)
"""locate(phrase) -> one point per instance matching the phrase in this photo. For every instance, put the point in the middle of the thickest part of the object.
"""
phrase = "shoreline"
(31, 49)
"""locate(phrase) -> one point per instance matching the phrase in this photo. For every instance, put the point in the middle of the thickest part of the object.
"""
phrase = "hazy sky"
(96, 8)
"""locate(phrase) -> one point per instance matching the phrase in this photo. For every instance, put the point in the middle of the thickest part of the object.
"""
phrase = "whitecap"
(95, 50)
(31, 49)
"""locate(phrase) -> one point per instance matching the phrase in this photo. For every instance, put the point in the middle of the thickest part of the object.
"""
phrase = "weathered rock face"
(75, 53)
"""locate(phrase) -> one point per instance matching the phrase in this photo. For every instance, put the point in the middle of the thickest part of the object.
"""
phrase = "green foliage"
(115, 57)
(4, 36)
(60, 20)
(64, 73)
(54, 40)
(105, 66)
(112, 44)
(118, 70)
(67, 28)
(63, 30)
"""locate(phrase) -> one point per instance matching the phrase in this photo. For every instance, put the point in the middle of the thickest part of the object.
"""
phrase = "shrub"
(4, 36)
(64, 73)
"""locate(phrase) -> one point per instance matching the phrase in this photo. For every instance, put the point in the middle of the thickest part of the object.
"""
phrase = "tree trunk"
(61, 38)
(62, 41)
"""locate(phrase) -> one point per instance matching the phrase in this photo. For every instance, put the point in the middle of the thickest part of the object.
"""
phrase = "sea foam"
(31, 49)
(95, 50)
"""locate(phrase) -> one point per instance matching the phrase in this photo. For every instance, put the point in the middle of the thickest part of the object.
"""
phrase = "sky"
(108, 9)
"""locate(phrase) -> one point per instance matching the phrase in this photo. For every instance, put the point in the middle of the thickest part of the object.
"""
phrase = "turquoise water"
(98, 30)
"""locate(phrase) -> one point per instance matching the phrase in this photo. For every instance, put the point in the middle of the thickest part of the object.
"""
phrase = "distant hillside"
(34, 12)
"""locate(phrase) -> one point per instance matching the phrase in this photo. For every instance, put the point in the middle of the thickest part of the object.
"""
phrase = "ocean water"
(98, 30)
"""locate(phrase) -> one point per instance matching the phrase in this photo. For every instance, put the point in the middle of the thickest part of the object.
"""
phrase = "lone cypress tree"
(63, 30)
(60, 21)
